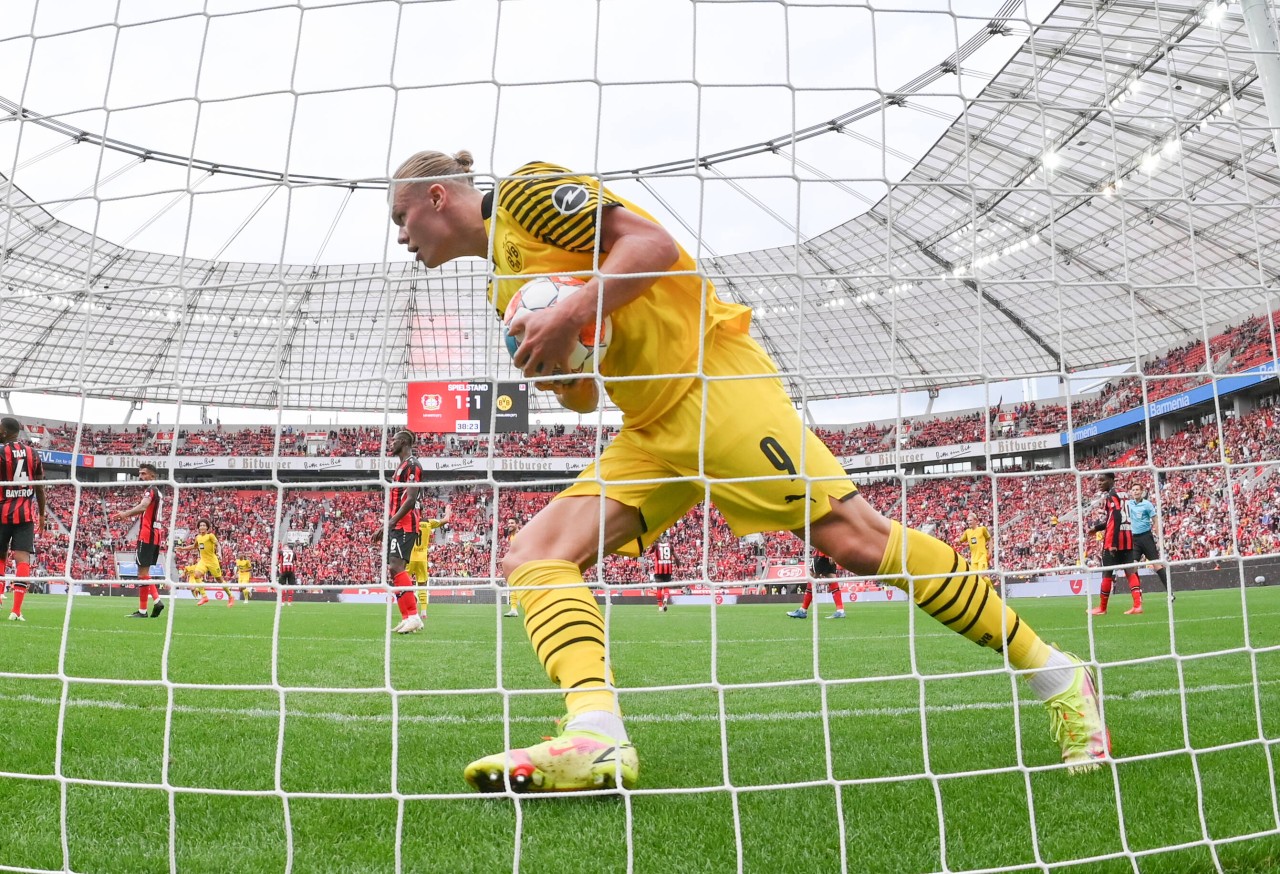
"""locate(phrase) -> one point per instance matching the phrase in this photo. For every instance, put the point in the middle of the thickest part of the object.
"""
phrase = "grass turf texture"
(799, 775)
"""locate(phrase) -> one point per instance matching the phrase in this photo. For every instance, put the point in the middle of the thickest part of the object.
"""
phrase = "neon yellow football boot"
(575, 761)
(1075, 720)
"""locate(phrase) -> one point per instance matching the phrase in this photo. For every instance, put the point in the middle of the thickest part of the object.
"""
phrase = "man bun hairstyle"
(437, 166)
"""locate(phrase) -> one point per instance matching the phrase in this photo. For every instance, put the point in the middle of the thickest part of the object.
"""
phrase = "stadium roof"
(1111, 194)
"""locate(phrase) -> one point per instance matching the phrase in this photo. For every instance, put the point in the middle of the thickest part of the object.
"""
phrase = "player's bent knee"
(528, 550)
(853, 533)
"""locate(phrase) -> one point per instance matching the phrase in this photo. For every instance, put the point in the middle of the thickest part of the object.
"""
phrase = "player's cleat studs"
(575, 761)
(156, 609)
(525, 777)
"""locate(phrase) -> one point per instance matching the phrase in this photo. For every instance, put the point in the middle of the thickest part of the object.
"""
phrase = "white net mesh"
(1054, 221)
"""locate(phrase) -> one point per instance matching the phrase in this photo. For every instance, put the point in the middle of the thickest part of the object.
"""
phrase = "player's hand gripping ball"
(541, 294)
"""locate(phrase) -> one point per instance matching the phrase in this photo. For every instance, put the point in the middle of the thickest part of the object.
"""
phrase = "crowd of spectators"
(1207, 513)
(1235, 349)
(1216, 494)
(945, 431)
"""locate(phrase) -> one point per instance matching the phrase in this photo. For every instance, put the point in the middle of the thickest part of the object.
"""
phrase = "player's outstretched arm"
(134, 510)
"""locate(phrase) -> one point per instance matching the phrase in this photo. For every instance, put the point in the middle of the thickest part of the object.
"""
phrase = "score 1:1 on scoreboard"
(468, 407)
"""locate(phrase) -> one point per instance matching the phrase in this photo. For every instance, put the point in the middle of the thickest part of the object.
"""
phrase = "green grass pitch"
(766, 788)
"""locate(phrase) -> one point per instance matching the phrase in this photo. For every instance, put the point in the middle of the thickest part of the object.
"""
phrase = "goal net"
(994, 247)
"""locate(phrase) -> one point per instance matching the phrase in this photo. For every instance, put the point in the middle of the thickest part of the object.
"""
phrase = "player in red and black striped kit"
(402, 530)
(1117, 544)
(288, 577)
(663, 567)
(824, 568)
(150, 536)
(22, 508)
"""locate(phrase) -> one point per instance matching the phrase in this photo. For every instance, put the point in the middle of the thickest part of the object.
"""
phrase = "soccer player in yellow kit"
(208, 565)
(667, 319)
(978, 538)
(419, 566)
(244, 575)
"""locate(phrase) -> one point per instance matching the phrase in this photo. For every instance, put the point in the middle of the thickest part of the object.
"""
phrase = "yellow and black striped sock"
(567, 632)
(948, 590)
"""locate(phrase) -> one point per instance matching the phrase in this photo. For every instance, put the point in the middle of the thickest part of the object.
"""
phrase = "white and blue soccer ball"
(540, 294)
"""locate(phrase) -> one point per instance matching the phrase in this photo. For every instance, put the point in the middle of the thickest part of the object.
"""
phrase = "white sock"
(1056, 677)
(604, 722)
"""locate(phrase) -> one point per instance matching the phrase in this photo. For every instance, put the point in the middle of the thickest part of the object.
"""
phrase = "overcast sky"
(350, 89)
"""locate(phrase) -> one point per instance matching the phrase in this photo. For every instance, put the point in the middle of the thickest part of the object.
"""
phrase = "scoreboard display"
(468, 407)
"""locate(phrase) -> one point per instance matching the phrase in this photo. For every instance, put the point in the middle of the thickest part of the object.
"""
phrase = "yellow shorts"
(204, 569)
(244, 579)
(979, 563)
(752, 433)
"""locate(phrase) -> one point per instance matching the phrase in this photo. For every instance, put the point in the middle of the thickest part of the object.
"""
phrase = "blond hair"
(437, 166)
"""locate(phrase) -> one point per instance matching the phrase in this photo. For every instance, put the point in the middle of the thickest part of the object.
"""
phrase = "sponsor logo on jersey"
(569, 198)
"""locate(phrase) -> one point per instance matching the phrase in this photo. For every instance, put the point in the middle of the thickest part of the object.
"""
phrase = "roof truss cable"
(737, 186)
(97, 183)
(929, 110)
(876, 144)
(342, 207)
(178, 198)
(76, 198)
(271, 191)
(677, 216)
(853, 192)
(45, 154)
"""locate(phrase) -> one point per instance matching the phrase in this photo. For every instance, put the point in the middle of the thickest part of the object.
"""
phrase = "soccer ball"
(540, 294)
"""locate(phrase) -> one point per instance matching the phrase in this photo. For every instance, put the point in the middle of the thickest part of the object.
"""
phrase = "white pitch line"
(448, 719)
(828, 637)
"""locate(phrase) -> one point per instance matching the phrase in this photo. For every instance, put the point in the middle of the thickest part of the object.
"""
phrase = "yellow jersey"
(422, 550)
(208, 546)
(544, 221)
(977, 538)
(244, 568)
